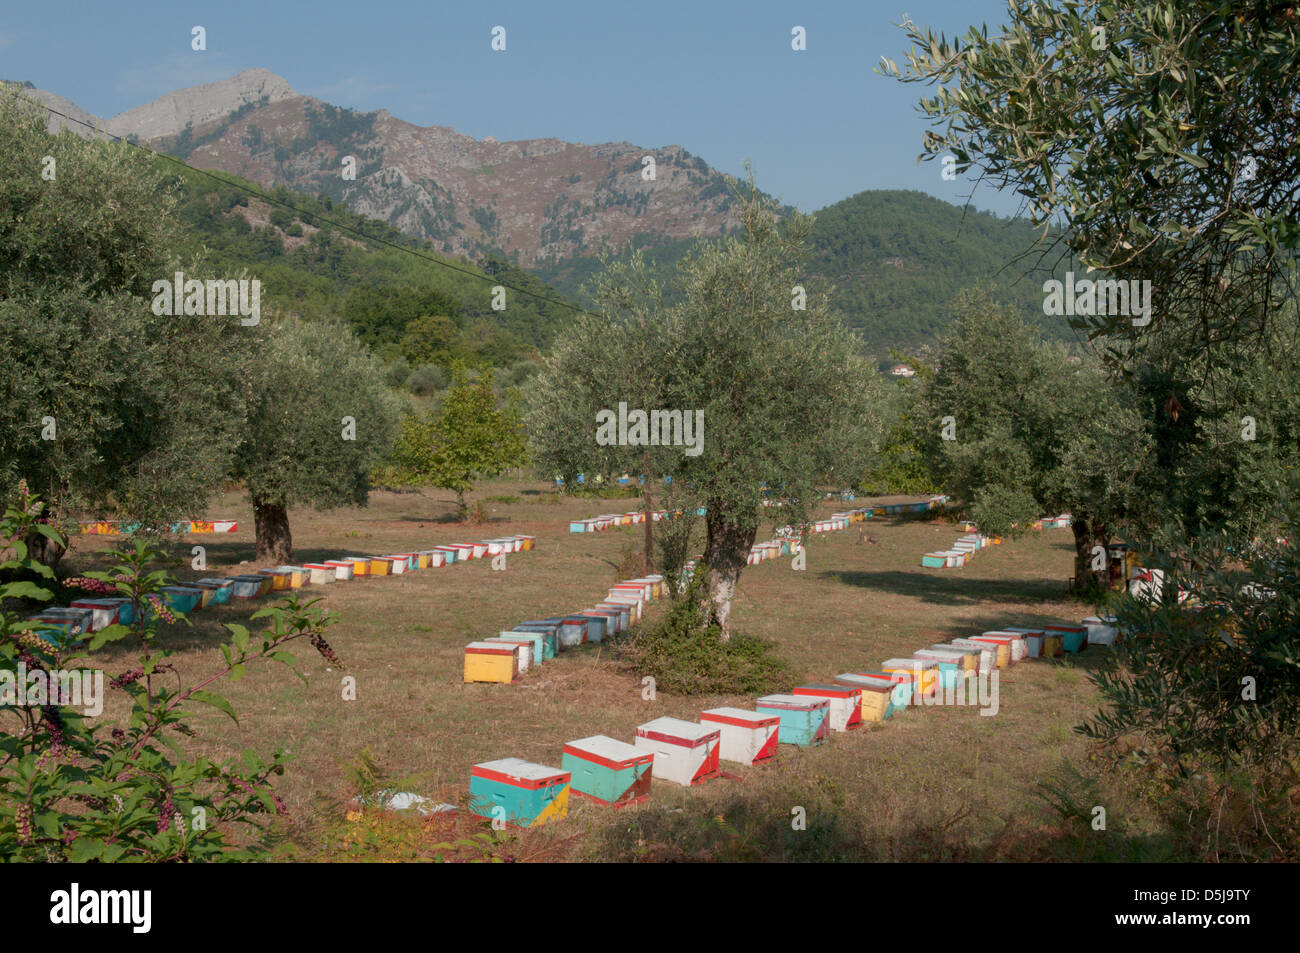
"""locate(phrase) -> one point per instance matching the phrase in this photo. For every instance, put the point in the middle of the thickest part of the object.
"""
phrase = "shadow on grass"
(951, 590)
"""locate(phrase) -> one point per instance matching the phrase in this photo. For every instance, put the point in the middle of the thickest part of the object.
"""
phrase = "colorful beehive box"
(1018, 642)
(845, 707)
(55, 632)
(1101, 631)
(1053, 644)
(528, 541)
(923, 669)
(934, 560)
(464, 551)
(518, 792)
(396, 564)
(987, 653)
(480, 550)
(247, 587)
(608, 618)
(536, 642)
(904, 688)
(77, 619)
(631, 587)
(379, 566)
(1074, 638)
(1003, 658)
(577, 526)
(624, 614)
(183, 599)
(525, 649)
(608, 771)
(597, 624)
(360, 565)
(343, 569)
(103, 612)
(224, 526)
(217, 590)
(280, 578)
(550, 632)
(318, 574)
(634, 603)
(952, 665)
(805, 720)
(685, 752)
(877, 694)
(450, 553)
(573, 632)
(201, 526)
(434, 558)
(970, 654)
(492, 662)
(745, 737)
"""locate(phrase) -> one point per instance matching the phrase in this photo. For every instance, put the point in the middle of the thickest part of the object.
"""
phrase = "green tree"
(109, 409)
(430, 340)
(320, 418)
(1016, 429)
(785, 400)
(471, 435)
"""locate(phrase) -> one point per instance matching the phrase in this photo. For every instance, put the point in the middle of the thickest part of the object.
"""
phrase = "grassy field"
(931, 783)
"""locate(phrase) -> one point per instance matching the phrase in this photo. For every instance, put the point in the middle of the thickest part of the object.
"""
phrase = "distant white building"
(901, 370)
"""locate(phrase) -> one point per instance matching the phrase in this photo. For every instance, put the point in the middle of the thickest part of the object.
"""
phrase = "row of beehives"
(967, 546)
(632, 518)
(127, 527)
(613, 773)
(60, 626)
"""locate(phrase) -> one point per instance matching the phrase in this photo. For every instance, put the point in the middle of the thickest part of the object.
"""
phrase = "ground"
(932, 782)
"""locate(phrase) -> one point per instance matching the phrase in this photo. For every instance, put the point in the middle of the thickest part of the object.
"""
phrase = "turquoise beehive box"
(518, 792)
(608, 771)
(805, 719)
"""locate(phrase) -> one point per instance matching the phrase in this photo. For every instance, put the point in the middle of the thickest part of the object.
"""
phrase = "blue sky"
(718, 79)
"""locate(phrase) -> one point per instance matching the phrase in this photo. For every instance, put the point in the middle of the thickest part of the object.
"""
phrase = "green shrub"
(685, 657)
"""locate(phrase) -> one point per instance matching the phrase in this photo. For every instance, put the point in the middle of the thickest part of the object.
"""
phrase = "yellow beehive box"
(924, 670)
(380, 567)
(1003, 646)
(492, 662)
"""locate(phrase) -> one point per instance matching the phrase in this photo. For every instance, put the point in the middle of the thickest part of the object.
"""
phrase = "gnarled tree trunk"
(725, 552)
(271, 524)
(1088, 536)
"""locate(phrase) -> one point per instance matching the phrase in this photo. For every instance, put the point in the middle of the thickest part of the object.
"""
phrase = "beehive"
(952, 665)
(103, 612)
(492, 662)
(528, 541)
(450, 554)
(318, 573)
(396, 564)
(805, 720)
(343, 569)
(360, 566)
(78, 620)
(607, 771)
(904, 688)
(1101, 631)
(183, 599)
(573, 632)
(525, 649)
(934, 560)
(845, 703)
(877, 694)
(536, 643)
(248, 587)
(745, 737)
(924, 670)
(550, 632)
(518, 792)
(1019, 644)
(624, 614)
(277, 579)
(217, 591)
(224, 526)
(970, 654)
(1003, 658)
(597, 624)
(1074, 638)
(684, 752)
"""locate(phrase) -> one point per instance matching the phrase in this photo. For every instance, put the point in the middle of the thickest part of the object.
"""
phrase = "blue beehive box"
(535, 639)
(221, 589)
(805, 719)
(573, 632)
(518, 792)
(608, 771)
(184, 599)
(550, 632)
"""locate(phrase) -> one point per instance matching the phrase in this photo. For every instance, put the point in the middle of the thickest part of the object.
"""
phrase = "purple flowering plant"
(76, 788)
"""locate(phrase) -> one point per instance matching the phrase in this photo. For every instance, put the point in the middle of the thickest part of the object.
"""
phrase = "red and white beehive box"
(342, 568)
(746, 736)
(685, 752)
(846, 703)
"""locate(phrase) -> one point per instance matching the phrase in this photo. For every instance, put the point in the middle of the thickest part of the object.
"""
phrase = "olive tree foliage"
(1018, 430)
(1163, 134)
(786, 401)
(105, 407)
(320, 417)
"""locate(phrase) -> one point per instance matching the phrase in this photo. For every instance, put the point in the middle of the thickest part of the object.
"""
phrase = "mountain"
(895, 259)
(531, 201)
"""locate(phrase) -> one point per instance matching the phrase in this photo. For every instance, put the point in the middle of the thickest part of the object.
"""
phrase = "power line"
(262, 196)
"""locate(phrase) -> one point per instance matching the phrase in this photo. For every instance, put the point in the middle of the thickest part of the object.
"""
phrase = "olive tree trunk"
(1088, 536)
(725, 551)
(271, 524)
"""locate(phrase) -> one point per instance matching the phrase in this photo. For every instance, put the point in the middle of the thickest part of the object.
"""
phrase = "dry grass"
(932, 782)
